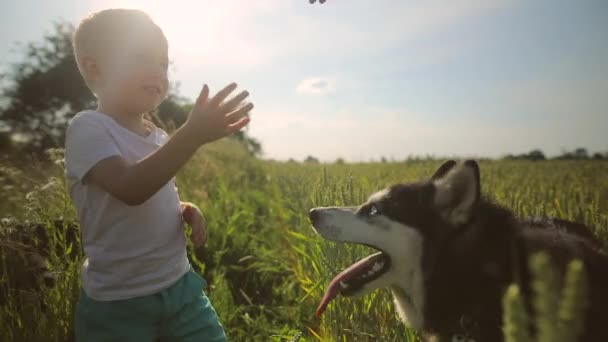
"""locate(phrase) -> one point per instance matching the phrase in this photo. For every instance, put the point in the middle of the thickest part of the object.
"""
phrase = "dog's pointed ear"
(457, 191)
(443, 169)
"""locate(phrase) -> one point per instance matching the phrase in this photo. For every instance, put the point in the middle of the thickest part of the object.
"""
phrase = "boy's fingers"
(237, 126)
(222, 95)
(199, 231)
(196, 238)
(232, 103)
(237, 114)
(201, 101)
(200, 239)
(188, 214)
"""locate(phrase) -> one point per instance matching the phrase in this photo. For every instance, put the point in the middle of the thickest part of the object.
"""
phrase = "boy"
(137, 281)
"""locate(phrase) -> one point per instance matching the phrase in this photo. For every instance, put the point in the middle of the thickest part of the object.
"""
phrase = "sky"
(365, 79)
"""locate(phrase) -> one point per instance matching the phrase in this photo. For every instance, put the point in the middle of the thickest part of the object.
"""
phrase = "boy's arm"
(210, 119)
(134, 184)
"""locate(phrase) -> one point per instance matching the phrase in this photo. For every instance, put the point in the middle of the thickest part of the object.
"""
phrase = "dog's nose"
(313, 214)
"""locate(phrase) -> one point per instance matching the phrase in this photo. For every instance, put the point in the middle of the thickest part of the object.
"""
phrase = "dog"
(448, 255)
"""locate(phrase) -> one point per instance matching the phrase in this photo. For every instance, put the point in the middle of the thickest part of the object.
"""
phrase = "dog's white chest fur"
(408, 283)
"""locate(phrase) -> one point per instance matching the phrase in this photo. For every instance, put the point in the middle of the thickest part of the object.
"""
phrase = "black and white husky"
(448, 255)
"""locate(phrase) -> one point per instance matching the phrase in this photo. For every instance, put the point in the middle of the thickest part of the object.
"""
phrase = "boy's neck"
(132, 121)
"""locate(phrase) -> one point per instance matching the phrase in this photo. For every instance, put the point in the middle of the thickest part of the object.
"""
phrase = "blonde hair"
(99, 31)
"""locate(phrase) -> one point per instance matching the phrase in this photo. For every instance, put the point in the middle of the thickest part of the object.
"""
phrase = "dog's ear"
(457, 191)
(443, 169)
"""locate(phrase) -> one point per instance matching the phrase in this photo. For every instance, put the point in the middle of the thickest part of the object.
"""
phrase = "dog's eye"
(368, 210)
(373, 210)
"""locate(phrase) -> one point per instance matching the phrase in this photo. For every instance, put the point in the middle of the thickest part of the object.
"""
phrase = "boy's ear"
(90, 69)
(457, 191)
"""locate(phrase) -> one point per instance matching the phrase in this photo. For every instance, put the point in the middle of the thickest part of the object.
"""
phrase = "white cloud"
(316, 86)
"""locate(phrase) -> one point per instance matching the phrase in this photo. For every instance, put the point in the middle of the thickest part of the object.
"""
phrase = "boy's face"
(134, 72)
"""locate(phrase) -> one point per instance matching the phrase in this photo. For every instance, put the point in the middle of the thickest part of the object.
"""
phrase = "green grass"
(266, 269)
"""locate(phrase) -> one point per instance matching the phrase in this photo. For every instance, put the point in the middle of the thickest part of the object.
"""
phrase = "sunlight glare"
(209, 32)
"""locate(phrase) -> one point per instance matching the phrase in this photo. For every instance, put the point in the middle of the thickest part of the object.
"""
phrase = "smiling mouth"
(352, 279)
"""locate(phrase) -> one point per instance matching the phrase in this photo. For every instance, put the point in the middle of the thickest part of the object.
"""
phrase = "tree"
(5, 142)
(251, 144)
(578, 154)
(536, 155)
(581, 153)
(42, 92)
(311, 159)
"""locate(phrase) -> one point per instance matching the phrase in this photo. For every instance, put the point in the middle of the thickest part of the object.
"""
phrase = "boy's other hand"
(213, 118)
(193, 216)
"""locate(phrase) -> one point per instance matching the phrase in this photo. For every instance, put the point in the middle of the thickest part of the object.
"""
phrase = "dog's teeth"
(343, 284)
(377, 266)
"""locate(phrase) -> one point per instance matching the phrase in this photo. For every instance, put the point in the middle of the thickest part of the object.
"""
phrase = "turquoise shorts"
(181, 312)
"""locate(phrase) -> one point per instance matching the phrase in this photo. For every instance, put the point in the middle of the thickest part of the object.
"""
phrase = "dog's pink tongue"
(330, 294)
(352, 271)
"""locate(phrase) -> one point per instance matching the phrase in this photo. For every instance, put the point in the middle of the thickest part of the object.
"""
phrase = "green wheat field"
(266, 268)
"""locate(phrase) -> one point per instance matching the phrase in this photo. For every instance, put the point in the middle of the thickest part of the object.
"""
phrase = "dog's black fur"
(468, 266)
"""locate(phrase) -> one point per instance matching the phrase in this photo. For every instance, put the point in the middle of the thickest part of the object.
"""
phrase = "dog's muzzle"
(314, 215)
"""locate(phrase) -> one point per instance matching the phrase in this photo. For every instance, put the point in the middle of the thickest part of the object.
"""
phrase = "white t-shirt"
(131, 251)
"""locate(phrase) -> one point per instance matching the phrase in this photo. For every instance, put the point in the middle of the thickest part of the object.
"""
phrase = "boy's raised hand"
(213, 118)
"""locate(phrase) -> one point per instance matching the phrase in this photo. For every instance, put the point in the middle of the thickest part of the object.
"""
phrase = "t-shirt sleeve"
(87, 143)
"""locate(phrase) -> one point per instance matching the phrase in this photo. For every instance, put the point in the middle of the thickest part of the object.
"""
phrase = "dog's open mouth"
(352, 279)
